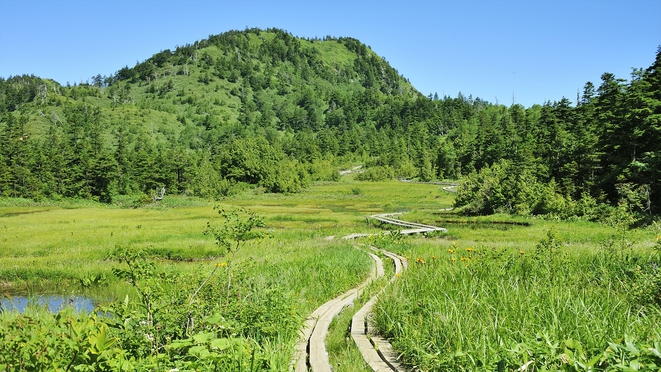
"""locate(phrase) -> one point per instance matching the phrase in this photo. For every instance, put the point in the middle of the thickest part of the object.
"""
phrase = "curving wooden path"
(311, 354)
(413, 228)
(377, 351)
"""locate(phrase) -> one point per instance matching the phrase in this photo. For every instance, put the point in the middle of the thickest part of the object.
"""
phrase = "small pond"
(54, 303)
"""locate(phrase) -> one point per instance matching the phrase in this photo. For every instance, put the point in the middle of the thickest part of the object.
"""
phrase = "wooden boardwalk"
(311, 354)
(311, 351)
(412, 227)
(376, 351)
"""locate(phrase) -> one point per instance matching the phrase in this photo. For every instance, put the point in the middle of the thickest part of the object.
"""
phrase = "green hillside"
(188, 105)
(266, 109)
(266, 78)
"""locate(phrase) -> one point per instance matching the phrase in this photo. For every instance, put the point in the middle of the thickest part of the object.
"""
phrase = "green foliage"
(141, 274)
(646, 282)
(549, 256)
(60, 341)
(18, 90)
(265, 108)
(207, 181)
(238, 227)
(503, 187)
(376, 174)
(255, 161)
(507, 188)
(205, 351)
(507, 309)
(323, 170)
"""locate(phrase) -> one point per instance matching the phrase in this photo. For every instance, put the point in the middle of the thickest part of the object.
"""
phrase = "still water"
(54, 303)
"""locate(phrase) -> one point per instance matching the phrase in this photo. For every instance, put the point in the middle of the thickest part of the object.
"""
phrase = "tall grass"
(276, 282)
(498, 309)
(64, 242)
(485, 308)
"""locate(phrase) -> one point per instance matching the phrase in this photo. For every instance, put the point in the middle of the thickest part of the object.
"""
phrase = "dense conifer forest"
(262, 108)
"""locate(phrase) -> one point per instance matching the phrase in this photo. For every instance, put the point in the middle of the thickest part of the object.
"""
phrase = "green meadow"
(49, 245)
(505, 294)
(493, 293)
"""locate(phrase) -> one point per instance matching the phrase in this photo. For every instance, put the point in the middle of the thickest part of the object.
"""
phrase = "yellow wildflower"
(451, 251)
(419, 260)
(522, 252)
(221, 264)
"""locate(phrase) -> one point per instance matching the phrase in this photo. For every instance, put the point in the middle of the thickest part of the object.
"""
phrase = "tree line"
(266, 108)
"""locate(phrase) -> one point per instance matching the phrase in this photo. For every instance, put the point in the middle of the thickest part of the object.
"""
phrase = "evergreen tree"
(15, 174)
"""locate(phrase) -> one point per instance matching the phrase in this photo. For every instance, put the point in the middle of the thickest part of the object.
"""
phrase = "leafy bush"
(323, 170)
(506, 188)
(288, 177)
(377, 173)
(356, 191)
(207, 182)
(59, 342)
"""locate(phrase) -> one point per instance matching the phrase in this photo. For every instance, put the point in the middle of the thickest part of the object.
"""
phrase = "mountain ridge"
(262, 108)
(199, 96)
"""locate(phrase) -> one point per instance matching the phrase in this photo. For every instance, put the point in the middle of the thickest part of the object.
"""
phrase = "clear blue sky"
(534, 50)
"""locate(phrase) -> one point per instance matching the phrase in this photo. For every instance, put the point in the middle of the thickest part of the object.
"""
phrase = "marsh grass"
(555, 298)
(67, 241)
(60, 245)
(66, 249)
(497, 309)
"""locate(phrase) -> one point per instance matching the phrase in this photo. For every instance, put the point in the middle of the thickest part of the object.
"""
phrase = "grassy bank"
(172, 316)
(494, 293)
(553, 295)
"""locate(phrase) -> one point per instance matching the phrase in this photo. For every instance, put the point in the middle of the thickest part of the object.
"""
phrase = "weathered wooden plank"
(377, 352)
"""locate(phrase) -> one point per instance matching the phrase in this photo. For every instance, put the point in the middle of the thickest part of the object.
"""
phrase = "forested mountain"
(263, 107)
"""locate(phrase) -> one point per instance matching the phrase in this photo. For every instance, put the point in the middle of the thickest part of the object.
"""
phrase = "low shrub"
(377, 173)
